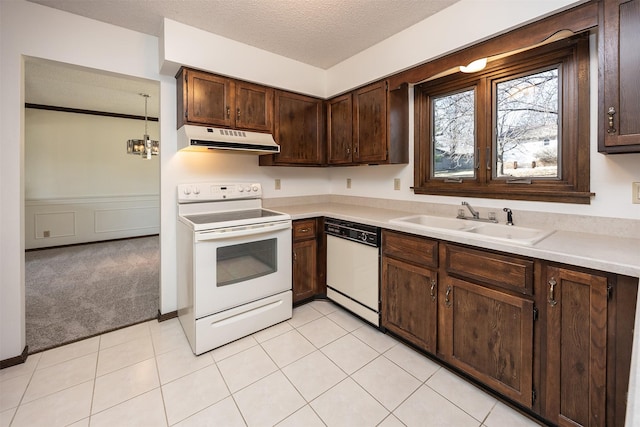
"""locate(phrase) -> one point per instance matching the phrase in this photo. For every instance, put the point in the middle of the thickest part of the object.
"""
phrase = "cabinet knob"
(228, 112)
(611, 113)
(238, 114)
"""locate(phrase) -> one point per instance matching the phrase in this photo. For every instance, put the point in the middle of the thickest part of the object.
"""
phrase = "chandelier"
(145, 147)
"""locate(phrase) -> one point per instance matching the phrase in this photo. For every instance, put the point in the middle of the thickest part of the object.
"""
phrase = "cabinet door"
(619, 32)
(304, 270)
(209, 99)
(370, 122)
(299, 129)
(576, 348)
(254, 107)
(409, 302)
(340, 129)
(489, 335)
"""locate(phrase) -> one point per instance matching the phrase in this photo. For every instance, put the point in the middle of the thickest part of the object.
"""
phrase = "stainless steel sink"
(434, 222)
(461, 227)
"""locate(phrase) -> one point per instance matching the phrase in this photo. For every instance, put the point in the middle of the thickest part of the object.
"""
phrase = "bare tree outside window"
(526, 126)
(454, 135)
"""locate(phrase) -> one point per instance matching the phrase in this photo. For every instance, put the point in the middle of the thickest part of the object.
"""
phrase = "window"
(516, 130)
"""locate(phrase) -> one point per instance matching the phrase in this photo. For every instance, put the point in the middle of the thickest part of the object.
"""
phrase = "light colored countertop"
(599, 252)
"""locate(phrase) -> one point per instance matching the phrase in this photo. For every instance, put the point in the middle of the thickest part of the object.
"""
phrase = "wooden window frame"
(572, 186)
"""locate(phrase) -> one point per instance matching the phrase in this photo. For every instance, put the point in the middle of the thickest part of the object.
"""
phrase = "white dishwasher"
(353, 260)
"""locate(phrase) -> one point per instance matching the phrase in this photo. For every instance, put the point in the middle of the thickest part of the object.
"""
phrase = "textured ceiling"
(317, 32)
(321, 33)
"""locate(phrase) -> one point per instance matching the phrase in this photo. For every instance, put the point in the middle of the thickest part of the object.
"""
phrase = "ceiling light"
(476, 65)
(144, 147)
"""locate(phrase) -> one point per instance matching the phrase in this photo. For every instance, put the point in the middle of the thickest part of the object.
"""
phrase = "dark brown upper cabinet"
(299, 130)
(619, 73)
(340, 129)
(207, 99)
(369, 126)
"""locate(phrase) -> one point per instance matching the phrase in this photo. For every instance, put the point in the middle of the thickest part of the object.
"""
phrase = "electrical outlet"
(348, 182)
(396, 183)
(635, 192)
(46, 233)
(277, 185)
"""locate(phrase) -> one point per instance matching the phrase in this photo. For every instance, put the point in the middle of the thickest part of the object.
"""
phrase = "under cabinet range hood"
(202, 138)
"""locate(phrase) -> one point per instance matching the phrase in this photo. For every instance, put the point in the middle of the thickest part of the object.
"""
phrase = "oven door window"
(246, 261)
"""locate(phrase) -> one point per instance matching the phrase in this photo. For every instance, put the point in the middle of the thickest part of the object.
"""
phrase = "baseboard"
(6, 363)
(167, 316)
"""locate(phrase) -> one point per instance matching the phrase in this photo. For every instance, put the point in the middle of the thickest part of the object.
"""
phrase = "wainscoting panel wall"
(56, 222)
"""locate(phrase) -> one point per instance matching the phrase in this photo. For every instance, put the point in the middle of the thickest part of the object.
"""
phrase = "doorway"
(91, 209)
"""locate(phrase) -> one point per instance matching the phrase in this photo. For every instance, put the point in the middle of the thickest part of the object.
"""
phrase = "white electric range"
(234, 263)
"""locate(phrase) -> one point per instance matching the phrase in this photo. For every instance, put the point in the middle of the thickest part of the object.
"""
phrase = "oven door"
(238, 265)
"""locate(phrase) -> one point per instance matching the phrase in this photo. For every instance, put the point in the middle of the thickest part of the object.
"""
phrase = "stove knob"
(241, 189)
(196, 190)
(255, 188)
(247, 189)
(187, 190)
(363, 237)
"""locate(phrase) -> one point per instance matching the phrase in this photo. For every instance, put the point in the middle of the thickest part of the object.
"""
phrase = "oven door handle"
(240, 231)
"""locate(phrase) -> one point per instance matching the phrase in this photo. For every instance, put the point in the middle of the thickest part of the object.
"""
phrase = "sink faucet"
(474, 213)
(509, 216)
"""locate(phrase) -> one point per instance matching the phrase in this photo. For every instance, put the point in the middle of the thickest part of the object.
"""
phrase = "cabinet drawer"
(414, 249)
(304, 229)
(505, 271)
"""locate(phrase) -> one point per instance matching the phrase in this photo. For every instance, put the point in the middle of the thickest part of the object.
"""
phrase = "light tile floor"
(322, 367)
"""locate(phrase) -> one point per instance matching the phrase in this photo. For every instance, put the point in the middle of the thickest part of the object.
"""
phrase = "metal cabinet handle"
(295, 256)
(552, 298)
(348, 150)
(238, 112)
(447, 301)
(228, 112)
(611, 113)
(304, 230)
(433, 290)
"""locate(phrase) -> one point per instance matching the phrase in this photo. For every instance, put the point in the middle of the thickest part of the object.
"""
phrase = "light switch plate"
(396, 183)
(348, 182)
(277, 184)
(635, 192)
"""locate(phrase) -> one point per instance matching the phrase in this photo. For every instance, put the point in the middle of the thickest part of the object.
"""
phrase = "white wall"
(82, 155)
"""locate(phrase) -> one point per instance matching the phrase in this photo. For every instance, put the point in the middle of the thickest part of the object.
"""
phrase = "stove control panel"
(207, 191)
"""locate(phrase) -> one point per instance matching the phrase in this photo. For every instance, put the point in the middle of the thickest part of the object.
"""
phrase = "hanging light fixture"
(144, 147)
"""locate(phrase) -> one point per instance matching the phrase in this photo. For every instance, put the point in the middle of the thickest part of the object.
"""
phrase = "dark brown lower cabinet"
(304, 260)
(576, 338)
(410, 306)
(489, 335)
(552, 338)
(410, 288)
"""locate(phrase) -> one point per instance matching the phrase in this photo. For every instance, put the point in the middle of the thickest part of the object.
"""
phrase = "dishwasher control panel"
(362, 233)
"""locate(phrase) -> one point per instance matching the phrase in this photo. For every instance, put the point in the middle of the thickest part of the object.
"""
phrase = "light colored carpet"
(79, 291)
